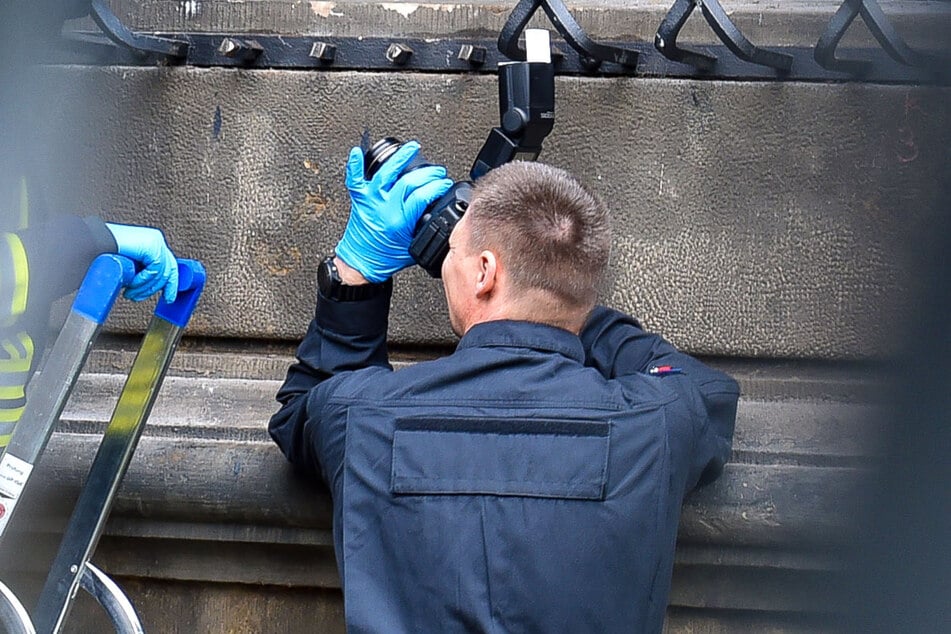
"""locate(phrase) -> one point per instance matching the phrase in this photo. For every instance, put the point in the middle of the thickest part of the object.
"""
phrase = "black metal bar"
(443, 56)
(734, 39)
(513, 28)
(134, 42)
(829, 41)
(592, 53)
(561, 17)
(666, 39)
(886, 35)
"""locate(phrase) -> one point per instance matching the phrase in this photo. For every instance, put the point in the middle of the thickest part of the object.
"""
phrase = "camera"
(431, 239)
(527, 116)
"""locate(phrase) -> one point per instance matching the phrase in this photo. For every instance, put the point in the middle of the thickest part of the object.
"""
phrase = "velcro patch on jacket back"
(520, 457)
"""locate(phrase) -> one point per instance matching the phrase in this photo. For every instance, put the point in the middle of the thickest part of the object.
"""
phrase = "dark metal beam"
(452, 55)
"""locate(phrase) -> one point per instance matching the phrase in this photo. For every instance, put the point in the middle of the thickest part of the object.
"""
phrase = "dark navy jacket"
(529, 482)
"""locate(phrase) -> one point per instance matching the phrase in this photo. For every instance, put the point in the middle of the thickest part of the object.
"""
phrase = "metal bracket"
(666, 39)
(137, 43)
(592, 53)
(884, 32)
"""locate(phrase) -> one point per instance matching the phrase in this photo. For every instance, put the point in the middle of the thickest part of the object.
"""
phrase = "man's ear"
(488, 274)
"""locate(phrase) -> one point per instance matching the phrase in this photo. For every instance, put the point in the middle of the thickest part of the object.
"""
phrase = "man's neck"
(534, 306)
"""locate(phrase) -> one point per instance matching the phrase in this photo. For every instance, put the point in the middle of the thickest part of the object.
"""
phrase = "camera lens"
(377, 155)
(381, 151)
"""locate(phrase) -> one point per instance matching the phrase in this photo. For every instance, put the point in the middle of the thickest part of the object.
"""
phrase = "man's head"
(533, 245)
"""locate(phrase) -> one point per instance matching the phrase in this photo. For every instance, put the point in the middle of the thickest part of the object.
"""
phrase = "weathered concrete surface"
(752, 219)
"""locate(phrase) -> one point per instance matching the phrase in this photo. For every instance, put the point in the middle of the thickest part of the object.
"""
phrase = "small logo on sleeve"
(664, 370)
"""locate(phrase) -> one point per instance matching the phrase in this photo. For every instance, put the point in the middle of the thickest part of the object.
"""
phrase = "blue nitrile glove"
(384, 212)
(147, 248)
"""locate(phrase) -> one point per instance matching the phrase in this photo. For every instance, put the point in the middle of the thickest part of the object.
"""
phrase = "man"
(531, 481)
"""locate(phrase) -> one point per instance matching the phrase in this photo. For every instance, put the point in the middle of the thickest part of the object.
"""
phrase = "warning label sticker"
(13, 475)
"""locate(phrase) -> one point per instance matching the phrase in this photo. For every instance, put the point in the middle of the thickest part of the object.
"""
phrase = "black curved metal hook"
(880, 27)
(666, 39)
(138, 43)
(513, 27)
(592, 52)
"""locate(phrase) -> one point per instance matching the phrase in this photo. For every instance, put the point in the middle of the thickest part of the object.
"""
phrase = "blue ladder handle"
(191, 282)
(109, 273)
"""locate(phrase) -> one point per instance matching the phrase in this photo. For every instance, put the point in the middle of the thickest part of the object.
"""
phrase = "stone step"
(239, 409)
(793, 413)
(215, 513)
(249, 483)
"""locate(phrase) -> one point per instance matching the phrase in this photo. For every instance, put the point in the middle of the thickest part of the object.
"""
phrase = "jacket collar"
(523, 334)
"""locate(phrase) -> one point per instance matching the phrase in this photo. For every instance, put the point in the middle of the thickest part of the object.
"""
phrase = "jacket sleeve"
(343, 336)
(43, 263)
(616, 345)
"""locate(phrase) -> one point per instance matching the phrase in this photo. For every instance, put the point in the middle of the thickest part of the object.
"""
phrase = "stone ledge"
(175, 606)
(248, 483)
(205, 459)
(767, 432)
(759, 379)
(790, 413)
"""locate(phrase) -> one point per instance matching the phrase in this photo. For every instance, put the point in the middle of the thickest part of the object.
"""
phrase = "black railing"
(736, 57)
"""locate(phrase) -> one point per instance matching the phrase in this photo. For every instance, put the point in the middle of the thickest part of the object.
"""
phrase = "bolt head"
(475, 55)
(590, 63)
(323, 51)
(398, 53)
(229, 47)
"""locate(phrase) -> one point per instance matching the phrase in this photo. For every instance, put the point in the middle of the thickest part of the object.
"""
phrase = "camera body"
(431, 238)
(431, 241)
